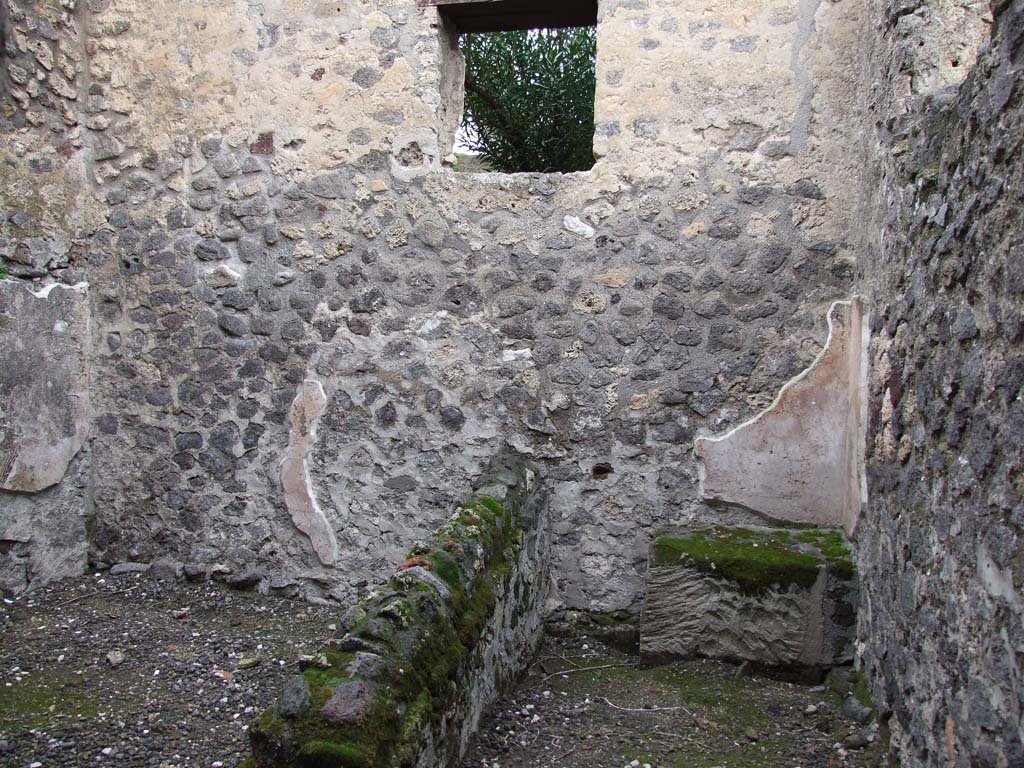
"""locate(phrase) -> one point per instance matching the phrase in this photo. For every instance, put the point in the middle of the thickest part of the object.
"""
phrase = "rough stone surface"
(43, 535)
(760, 595)
(942, 618)
(801, 460)
(259, 195)
(45, 470)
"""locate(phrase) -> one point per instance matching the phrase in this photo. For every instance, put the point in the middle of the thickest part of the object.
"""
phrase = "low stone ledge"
(457, 624)
(780, 599)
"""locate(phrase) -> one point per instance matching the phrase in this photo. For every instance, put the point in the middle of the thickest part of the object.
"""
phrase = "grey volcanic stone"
(369, 301)
(120, 569)
(452, 418)
(295, 698)
(166, 570)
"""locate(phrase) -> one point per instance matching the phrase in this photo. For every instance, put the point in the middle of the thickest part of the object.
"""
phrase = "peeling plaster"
(801, 459)
(305, 412)
(46, 409)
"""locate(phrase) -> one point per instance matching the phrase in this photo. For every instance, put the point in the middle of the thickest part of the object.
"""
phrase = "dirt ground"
(606, 711)
(125, 671)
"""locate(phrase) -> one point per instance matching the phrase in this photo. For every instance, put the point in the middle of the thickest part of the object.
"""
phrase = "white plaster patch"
(414, 154)
(300, 498)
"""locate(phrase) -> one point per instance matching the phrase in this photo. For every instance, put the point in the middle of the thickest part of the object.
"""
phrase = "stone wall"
(942, 614)
(259, 197)
(456, 626)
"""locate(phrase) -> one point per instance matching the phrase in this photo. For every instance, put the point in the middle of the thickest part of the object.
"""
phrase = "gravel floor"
(127, 671)
(696, 714)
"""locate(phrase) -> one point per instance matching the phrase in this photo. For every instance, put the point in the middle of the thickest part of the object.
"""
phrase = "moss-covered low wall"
(407, 685)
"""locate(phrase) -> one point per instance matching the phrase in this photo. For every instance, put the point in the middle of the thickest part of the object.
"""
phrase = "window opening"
(527, 94)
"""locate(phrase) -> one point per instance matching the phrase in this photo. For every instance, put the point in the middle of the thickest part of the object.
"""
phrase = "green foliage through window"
(530, 99)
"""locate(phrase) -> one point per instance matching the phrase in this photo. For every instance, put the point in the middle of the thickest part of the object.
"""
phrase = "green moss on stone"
(337, 658)
(832, 545)
(475, 612)
(322, 678)
(419, 714)
(756, 560)
(331, 754)
(861, 690)
(492, 504)
(446, 567)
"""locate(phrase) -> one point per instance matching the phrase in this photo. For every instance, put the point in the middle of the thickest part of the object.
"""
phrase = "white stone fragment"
(516, 355)
(577, 226)
(432, 323)
(223, 276)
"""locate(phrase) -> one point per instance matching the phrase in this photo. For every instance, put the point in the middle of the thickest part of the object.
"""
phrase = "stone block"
(777, 598)
(351, 702)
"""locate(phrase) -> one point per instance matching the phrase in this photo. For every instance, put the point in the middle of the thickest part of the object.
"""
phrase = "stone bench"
(779, 599)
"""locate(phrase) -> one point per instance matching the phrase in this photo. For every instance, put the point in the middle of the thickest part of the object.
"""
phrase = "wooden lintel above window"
(505, 15)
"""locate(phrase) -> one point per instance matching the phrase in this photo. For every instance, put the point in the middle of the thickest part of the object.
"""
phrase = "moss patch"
(619, 629)
(330, 754)
(833, 547)
(45, 698)
(861, 690)
(756, 560)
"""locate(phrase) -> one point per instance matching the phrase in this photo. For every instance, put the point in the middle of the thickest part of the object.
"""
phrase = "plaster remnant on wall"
(44, 409)
(308, 406)
(414, 154)
(799, 460)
